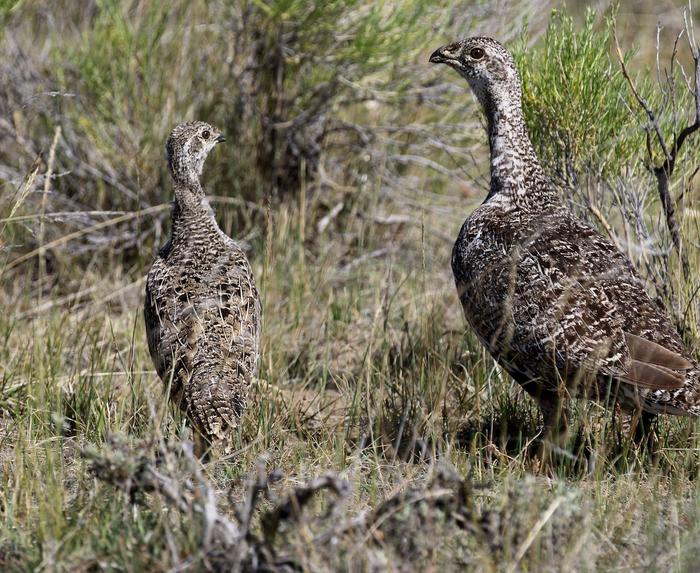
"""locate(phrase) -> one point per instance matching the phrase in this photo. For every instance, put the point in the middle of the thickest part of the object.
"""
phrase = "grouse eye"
(205, 134)
(476, 53)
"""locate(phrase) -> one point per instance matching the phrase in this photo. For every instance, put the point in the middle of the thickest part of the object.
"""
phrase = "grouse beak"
(448, 54)
(219, 139)
(437, 57)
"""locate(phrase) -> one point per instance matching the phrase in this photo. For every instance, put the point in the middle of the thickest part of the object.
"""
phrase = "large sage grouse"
(553, 301)
(202, 308)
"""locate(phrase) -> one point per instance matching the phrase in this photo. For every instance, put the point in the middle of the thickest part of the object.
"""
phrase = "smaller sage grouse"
(553, 301)
(202, 308)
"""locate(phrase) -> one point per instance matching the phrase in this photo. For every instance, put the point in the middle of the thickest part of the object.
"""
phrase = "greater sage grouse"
(202, 308)
(553, 301)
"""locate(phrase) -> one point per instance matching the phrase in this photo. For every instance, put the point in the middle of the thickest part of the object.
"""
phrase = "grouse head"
(487, 66)
(187, 148)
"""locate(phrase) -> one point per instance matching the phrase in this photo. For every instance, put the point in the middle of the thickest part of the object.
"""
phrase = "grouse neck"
(191, 211)
(515, 169)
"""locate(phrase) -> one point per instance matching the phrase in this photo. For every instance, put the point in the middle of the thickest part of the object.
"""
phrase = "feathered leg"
(201, 446)
(643, 431)
(556, 424)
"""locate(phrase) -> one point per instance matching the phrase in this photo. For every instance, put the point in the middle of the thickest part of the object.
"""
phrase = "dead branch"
(664, 171)
(136, 471)
(172, 472)
(292, 507)
(149, 468)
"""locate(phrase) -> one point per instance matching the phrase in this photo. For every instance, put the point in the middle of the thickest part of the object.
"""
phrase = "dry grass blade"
(22, 192)
(82, 232)
(532, 535)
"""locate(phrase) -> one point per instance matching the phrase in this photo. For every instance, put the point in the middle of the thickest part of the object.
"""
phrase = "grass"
(368, 372)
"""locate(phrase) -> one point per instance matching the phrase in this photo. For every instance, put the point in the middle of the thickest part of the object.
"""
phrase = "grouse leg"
(644, 427)
(556, 424)
(551, 405)
(202, 446)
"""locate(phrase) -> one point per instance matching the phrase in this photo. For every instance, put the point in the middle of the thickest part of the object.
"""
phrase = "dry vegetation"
(382, 438)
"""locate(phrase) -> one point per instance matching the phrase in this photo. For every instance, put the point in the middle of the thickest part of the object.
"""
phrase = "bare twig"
(664, 171)
(292, 507)
(653, 121)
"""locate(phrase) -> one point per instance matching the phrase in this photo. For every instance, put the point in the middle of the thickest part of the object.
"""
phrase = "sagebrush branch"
(664, 171)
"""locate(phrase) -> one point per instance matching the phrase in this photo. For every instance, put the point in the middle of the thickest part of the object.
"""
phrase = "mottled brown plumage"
(554, 302)
(202, 308)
